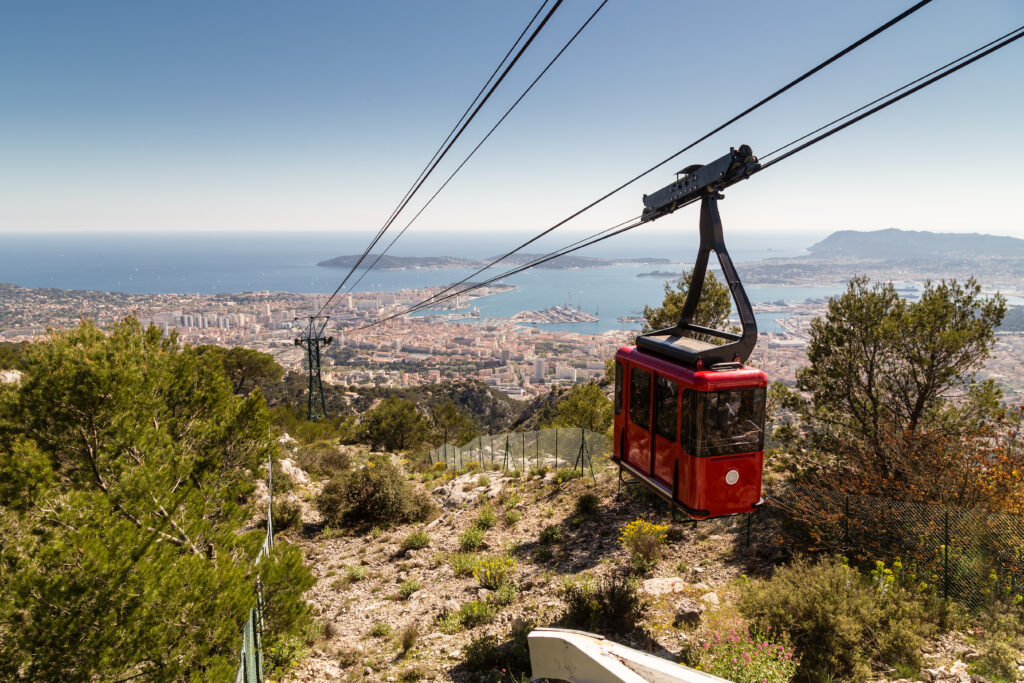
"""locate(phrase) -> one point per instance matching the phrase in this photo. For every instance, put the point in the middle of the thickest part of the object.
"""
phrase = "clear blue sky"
(127, 115)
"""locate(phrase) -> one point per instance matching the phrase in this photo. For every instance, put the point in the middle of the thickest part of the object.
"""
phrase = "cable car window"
(686, 437)
(618, 387)
(666, 408)
(640, 397)
(729, 422)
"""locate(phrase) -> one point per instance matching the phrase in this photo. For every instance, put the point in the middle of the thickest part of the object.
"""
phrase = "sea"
(285, 261)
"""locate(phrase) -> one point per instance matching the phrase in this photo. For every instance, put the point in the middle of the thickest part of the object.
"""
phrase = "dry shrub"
(287, 515)
(838, 620)
(408, 635)
(322, 459)
(611, 605)
(377, 494)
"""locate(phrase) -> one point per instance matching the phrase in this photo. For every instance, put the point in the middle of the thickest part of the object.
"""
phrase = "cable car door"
(638, 424)
(666, 430)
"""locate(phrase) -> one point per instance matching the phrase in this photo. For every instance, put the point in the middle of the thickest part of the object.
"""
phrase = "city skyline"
(256, 116)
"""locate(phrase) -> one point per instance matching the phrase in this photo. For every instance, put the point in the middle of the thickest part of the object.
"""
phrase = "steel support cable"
(469, 108)
(970, 57)
(408, 193)
(561, 251)
(436, 299)
(888, 94)
(1015, 35)
(852, 46)
(479, 145)
(494, 86)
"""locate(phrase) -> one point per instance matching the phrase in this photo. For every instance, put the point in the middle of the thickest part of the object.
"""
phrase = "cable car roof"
(701, 380)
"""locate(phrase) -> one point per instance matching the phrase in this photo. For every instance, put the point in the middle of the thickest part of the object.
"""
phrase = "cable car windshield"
(724, 422)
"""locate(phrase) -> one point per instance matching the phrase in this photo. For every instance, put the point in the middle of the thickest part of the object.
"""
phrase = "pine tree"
(126, 467)
(712, 311)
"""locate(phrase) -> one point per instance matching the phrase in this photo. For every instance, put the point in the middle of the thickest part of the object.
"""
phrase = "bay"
(223, 262)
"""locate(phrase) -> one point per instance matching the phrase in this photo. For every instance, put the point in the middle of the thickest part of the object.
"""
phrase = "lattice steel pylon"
(313, 342)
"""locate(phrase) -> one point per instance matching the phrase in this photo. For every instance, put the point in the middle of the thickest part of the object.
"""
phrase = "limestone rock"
(294, 472)
(710, 598)
(662, 586)
(688, 613)
(11, 377)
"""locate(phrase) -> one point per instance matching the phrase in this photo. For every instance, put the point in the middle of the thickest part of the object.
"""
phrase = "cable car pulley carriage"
(689, 416)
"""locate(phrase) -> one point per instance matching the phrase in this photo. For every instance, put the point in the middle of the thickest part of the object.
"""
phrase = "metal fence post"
(846, 524)
(556, 448)
(945, 560)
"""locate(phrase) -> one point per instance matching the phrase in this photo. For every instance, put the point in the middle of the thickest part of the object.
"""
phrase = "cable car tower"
(313, 342)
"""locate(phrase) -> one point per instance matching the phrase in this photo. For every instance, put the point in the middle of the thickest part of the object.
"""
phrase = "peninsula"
(567, 262)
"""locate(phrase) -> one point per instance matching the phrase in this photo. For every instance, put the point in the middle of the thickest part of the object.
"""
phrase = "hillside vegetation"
(132, 505)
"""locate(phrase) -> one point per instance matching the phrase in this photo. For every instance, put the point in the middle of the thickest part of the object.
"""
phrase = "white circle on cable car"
(731, 477)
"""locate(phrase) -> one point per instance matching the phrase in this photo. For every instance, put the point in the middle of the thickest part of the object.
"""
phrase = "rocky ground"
(359, 577)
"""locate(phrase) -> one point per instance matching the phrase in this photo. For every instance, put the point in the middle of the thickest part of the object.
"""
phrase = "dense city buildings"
(452, 342)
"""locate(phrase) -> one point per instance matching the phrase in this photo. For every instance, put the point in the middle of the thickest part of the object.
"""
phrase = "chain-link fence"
(969, 555)
(250, 668)
(555, 447)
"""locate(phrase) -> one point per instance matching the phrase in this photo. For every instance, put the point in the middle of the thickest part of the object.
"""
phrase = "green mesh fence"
(553, 448)
(968, 555)
(250, 668)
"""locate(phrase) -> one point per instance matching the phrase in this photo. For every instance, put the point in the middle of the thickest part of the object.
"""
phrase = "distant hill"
(895, 254)
(399, 262)
(895, 244)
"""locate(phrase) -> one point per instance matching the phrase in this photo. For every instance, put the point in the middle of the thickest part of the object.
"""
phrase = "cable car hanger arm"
(695, 181)
(680, 342)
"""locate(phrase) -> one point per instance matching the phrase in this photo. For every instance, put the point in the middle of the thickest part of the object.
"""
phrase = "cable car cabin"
(689, 416)
(695, 437)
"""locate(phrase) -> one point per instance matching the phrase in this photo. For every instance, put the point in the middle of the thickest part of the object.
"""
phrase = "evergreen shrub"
(377, 494)
(485, 519)
(416, 541)
(611, 605)
(471, 538)
(551, 534)
(287, 515)
(463, 564)
(838, 620)
(495, 571)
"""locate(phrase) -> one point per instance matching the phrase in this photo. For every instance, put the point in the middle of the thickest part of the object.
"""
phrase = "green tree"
(712, 311)
(125, 462)
(10, 355)
(246, 369)
(584, 406)
(375, 495)
(395, 425)
(883, 372)
(450, 425)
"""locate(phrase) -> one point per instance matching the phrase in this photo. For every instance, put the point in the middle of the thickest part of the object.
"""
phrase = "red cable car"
(689, 416)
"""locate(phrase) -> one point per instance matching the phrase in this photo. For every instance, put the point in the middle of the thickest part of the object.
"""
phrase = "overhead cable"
(468, 109)
(380, 233)
(888, 94)
(807, 74)
(936, 75)
(1014, 35)
(478, 146)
